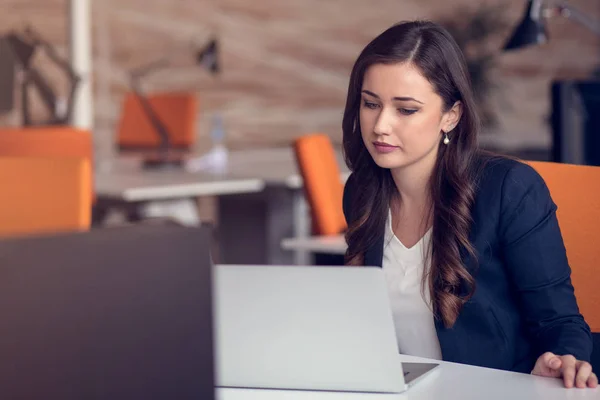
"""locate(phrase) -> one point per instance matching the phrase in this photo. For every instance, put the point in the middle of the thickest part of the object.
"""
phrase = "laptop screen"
(118, 313)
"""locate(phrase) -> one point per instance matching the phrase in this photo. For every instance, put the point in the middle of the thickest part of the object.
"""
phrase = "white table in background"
(124, 186)
(166, 185)
(269, 173)
(449, 381)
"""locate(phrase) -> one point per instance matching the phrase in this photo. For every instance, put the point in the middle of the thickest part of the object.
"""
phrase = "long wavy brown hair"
(434, 52)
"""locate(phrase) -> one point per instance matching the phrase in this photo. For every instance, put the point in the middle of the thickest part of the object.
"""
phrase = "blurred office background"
(285, 63)
(234, 84)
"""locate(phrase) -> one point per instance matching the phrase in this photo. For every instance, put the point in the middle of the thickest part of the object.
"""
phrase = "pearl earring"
(446, 138)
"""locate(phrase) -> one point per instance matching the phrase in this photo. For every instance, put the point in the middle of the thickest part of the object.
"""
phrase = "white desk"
(152, 186)
(316, 244)
(123, 179)
(249, 171)
(125, 186)
(448, 382)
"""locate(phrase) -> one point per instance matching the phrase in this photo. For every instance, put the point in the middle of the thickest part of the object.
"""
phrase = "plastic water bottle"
(219, 153)
(217, 131)
(216, 159)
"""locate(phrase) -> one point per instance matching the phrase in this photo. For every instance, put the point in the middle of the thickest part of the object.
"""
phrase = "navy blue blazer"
(524, 303)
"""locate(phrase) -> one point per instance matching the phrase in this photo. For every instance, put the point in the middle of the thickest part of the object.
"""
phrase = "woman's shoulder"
(510, 185)
(504, 172)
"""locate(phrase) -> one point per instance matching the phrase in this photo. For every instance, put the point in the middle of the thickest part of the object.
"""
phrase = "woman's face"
(402, 120)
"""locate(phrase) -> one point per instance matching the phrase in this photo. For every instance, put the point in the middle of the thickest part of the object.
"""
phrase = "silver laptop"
(307, 328)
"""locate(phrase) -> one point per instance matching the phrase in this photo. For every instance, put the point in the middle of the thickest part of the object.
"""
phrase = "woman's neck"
(412, 183)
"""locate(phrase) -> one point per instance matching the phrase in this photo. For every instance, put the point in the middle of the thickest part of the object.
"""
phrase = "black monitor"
(576, 122)
(116, 313)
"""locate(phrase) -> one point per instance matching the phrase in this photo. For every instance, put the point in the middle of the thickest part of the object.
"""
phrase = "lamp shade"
(531, 29)
(22, 50)
(208, 57)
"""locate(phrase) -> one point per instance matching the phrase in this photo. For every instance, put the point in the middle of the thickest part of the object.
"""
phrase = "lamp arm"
(147, 68)
(155, 120)
(568, 11)
(74, 80)
(162, 62)
(35, 78)
(135, 75)
(54, 56)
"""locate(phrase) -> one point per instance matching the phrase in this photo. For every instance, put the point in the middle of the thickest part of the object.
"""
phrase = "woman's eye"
(370, 105)
(406, 111)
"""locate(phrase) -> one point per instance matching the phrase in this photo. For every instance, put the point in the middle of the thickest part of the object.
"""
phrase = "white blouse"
(413, 317)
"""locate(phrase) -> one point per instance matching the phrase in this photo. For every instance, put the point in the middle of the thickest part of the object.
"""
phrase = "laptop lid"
(118, 313)
(307, 328)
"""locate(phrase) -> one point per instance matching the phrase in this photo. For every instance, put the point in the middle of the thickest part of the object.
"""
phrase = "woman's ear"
(452, 117)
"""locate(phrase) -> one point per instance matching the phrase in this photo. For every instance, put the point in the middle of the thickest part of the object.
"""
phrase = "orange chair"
(177, 111)
(47, 141)
(44, 195)
(50, 141)
(576, 191)
(324, 189)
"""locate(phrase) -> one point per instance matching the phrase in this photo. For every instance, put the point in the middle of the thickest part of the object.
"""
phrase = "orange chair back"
(323, 186)
(46, 141)
(63, 184)
(177, 111)
(51, 141)
(576, 191)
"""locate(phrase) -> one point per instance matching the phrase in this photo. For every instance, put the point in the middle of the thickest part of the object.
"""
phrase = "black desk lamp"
(23, 48)
(206, 57)
(574, 104)
(532, 28)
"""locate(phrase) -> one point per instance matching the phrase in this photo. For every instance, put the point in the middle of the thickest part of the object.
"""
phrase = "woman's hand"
(573, 372)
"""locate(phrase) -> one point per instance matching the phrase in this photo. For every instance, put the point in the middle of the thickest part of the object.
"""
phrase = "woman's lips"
(384, 147)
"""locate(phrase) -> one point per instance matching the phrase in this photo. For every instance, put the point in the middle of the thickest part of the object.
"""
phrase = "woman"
(469, 243)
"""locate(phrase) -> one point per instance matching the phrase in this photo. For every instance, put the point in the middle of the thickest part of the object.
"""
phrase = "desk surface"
(140, 186)
(248, 171)
(316, 244)
(447, 382)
